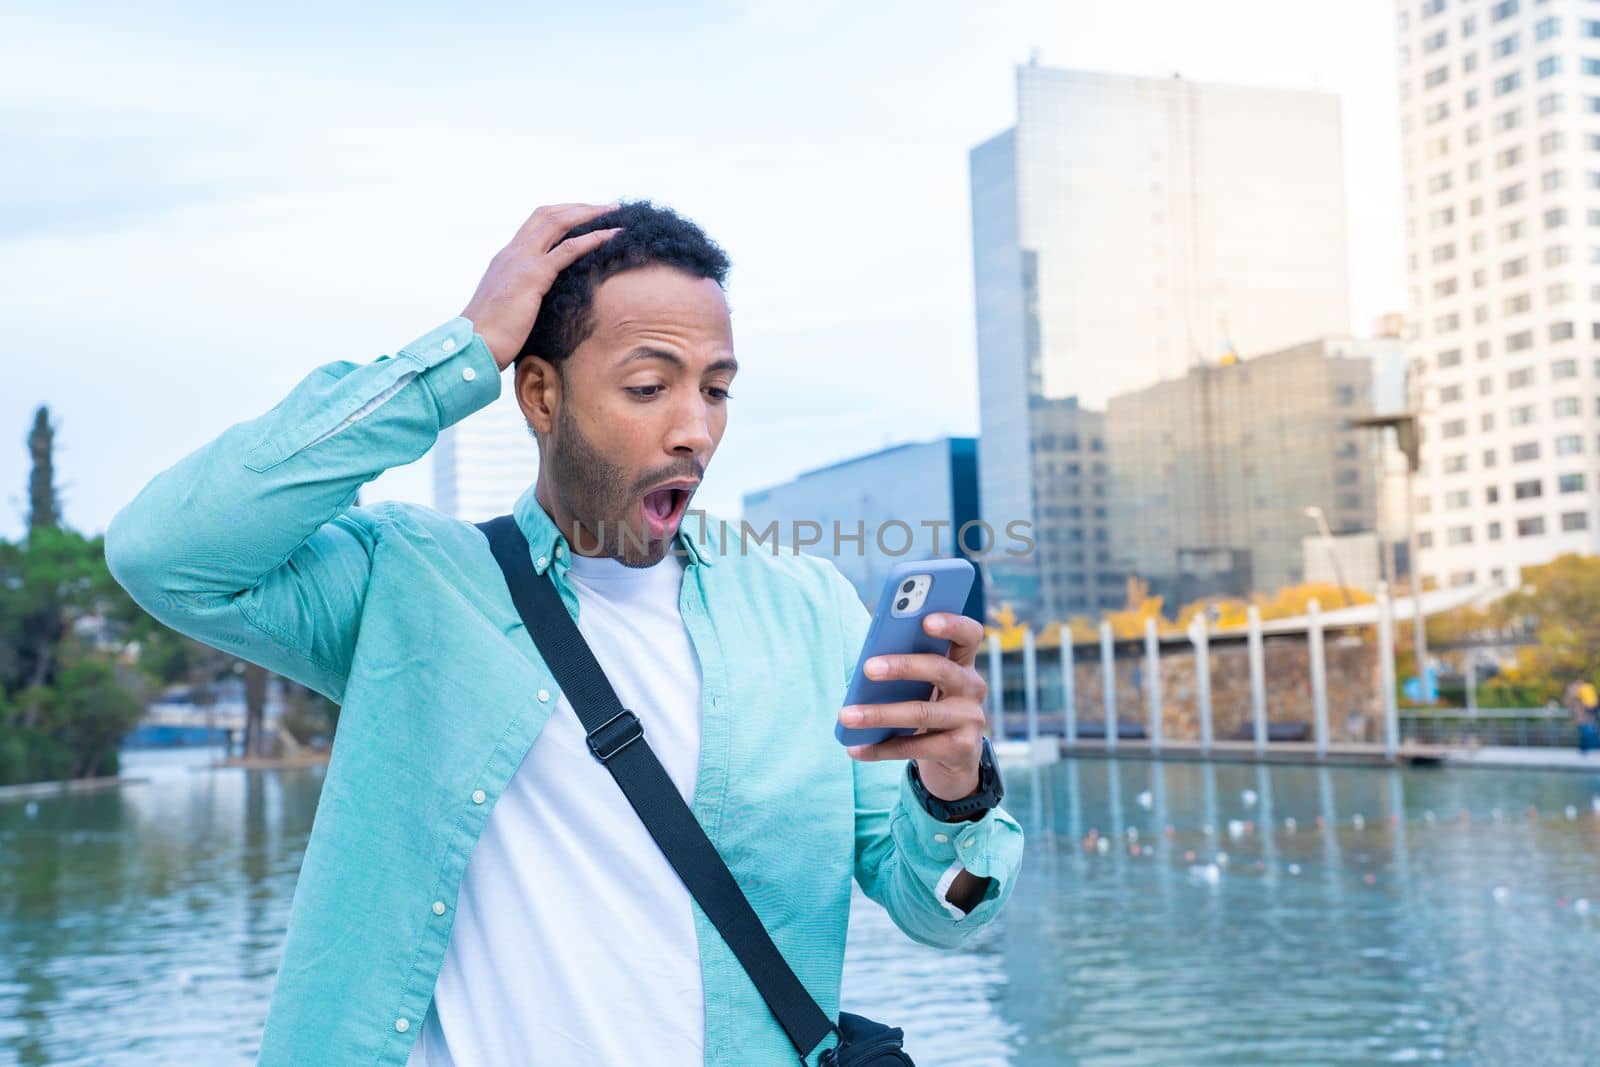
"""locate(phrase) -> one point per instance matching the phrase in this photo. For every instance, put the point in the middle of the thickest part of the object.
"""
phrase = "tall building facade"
(1212, 474)
(1072, 531)
(1127, 228)
(484, 462)
(908, 502)
(1500, 120)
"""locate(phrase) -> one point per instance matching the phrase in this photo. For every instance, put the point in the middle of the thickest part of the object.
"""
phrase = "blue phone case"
(952, 581)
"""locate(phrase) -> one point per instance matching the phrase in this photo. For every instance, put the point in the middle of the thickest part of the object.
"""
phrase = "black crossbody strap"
(616, 738)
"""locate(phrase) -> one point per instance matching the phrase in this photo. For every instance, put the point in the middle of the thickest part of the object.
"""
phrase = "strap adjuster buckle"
(614, 735)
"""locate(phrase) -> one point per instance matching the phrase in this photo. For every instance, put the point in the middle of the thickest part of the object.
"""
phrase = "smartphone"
(912, 591)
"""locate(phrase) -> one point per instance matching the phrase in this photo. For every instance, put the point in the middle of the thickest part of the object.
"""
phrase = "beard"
(602, 497)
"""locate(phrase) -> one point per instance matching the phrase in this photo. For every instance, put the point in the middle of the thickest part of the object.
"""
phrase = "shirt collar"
(549, 544)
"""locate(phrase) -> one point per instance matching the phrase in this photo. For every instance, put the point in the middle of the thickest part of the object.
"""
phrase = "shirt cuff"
(949, 847)
(458, 369)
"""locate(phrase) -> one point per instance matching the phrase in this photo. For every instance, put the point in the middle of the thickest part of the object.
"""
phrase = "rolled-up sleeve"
(905, 859)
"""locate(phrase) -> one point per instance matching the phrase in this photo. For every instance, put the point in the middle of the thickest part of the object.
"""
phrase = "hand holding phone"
(913, 591)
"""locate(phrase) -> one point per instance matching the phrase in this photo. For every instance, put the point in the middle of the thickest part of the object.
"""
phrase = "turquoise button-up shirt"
(398, 613)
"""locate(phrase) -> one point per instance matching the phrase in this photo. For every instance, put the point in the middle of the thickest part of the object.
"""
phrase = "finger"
(573, 249)
(547, 224)
(555, 228)
(930, 747)
(965, 635)
(915, 714)
(949, 676)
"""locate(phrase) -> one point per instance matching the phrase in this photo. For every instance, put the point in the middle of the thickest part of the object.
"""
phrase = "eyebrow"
(647, 352)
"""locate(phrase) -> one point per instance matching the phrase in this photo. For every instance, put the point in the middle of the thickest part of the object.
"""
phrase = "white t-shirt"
(573, 940)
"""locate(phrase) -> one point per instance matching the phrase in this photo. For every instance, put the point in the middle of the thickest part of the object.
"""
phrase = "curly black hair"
(650, 235)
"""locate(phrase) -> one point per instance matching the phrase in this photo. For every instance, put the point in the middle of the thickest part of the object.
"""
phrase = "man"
(476, 889)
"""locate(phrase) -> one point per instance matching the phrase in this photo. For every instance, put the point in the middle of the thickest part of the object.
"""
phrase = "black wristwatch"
(968, 808)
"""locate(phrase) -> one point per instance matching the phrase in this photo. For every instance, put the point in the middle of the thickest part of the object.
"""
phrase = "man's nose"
(691, 429)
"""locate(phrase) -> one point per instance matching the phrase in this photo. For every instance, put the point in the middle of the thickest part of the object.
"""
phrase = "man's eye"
(644, 391)
(719, 393)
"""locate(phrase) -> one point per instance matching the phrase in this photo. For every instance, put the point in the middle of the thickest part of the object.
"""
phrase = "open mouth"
(663, 509)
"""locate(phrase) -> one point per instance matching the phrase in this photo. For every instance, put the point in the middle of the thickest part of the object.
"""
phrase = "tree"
(1559, 602)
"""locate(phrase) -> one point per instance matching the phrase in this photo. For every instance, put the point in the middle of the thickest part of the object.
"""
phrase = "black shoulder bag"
(616, 738)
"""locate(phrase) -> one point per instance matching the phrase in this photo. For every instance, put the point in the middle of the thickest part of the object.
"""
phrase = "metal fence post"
(1202, 679)
(1258, 680)
(1030, 686)
(1108, 679)
(1319, 677)
(1391, 714)
(1069, 688)
(1152, 681)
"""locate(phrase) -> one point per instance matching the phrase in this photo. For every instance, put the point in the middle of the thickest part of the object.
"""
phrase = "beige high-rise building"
(1212, 474)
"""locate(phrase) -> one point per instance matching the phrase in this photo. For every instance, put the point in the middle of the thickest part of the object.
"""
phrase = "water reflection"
(143, 926)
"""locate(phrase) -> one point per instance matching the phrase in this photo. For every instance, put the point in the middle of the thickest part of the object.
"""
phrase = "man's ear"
(538, 387)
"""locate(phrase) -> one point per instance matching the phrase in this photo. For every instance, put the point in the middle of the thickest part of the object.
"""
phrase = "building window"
(1450, 394)
(1488, 458)
(1454, 464)
(1486, 421)
(1570, 483)
(1516, 305)
(1425, 539)
(1554, 257)
(1528, 490)
(1551, 180)
(1453, 428)
(1530, 527)
(1457, 499)
(1561, 331)
(1546, 28)
(1526, 452)
(1522, 415)
(1574, 520)
(1504, 46)
(1435, 41)
(1511, 231)
(1435, 77)
(1508, 120)
(1520, 379)
(1548, 66)
(1498, 13)
(1566, 406)
(1494, 531)
(1510, 194)
(1458, 535)
(1514, 268)
(1518, 341)
(1491, 494)
(1450, 357)
(1569, 444)
(1555, 217)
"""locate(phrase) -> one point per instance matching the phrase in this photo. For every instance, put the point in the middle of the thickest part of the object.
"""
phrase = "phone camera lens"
(903, 602)
(908, 586)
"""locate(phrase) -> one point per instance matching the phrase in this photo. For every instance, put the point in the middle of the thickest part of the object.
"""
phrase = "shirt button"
(559, 549)
(479, 796)
(449, 345)
(438, 907)
(941, 838)
(541, 562)
(544, 696)
(402, 1025)
(966, 842)
(468, 373)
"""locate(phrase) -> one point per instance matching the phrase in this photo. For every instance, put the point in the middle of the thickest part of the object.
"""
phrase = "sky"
(199, 206)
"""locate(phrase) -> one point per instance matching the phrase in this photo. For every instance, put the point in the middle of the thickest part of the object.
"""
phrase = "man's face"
(640, 402)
